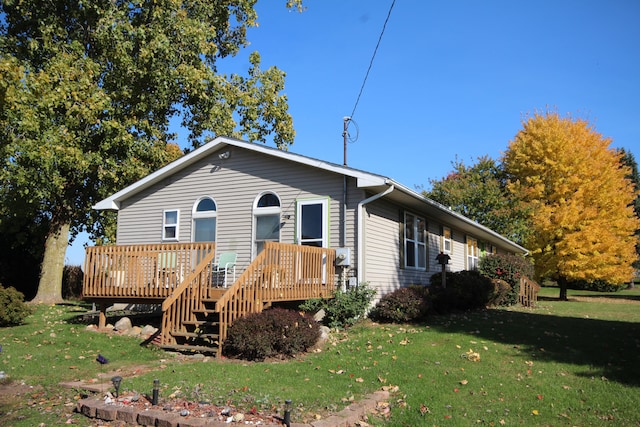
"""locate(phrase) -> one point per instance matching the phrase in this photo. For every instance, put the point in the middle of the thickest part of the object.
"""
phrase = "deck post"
(102, 317)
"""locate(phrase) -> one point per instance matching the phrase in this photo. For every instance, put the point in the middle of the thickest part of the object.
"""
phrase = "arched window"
(266, 221)
(204, 220)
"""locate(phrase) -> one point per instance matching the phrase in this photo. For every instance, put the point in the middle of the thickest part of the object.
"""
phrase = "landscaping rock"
(134, 331)
(148, 330)
(123, 325)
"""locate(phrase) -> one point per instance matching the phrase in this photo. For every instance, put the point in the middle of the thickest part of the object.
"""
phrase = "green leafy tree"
(479, 192)
(580, 198)
(629, 160)
(89, 89)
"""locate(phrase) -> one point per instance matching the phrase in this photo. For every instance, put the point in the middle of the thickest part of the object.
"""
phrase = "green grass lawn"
(571, 363)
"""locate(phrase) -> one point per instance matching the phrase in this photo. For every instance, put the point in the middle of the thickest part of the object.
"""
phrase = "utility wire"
(372, 58)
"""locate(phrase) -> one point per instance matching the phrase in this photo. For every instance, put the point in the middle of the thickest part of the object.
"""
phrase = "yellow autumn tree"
(579, 197)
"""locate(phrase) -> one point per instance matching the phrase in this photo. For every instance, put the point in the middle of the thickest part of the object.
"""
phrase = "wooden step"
(205, 311)
(210, 300)
(201, 323)
(192, 348)
(195, 335)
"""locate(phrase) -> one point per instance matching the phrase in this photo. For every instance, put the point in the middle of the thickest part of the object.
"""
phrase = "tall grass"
(562, 363)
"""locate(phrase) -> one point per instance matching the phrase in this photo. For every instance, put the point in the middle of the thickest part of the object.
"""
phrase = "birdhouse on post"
(443, 260)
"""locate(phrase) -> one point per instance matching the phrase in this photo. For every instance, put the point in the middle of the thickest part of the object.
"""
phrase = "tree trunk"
(562, 282)
(55, 250)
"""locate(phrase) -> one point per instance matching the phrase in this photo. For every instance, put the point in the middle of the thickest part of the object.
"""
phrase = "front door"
(312, 226)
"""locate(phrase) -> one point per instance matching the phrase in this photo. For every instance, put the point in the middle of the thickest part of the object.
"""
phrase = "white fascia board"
(459, 217)
(113, 202)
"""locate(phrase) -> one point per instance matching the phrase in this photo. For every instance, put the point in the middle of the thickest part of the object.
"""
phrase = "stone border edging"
(96, 408)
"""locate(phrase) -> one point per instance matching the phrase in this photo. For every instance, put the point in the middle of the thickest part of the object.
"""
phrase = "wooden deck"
(196, 310)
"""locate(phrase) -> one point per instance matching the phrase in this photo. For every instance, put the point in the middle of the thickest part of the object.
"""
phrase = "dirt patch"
(10, 389)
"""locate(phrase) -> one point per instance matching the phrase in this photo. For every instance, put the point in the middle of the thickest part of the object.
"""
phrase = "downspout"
(361, 227)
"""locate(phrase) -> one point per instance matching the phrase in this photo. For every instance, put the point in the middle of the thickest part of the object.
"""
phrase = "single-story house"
(240, 197)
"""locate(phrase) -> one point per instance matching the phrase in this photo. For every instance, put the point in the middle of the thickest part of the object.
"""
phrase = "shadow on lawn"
(600, 296)
(601, 348)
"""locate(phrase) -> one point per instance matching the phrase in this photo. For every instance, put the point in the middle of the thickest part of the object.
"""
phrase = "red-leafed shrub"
(402, 305)
(509, 268)
(272, 333)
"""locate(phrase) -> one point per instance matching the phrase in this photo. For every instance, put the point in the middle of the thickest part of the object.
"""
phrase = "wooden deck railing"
(281, 272)
(528, 295)
(180, 276)
(140, 272)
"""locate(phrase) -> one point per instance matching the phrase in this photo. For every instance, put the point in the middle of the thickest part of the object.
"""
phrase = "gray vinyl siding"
(234, 184)
(383, 268)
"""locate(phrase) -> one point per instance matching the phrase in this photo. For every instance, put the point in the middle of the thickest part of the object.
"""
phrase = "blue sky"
(450, 77)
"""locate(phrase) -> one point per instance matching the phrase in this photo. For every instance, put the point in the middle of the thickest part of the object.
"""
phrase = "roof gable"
(364, 179)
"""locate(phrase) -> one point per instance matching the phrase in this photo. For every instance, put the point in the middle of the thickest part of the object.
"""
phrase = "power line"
(372, 58)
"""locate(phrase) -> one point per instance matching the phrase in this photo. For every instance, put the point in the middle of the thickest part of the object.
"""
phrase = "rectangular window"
(204, 229)
(313, 222)
(447, 245)
(472, 253)
(170, 225)
(267, 230)
(415, 241)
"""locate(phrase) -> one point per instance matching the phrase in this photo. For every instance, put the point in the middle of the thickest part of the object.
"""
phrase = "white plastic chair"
(226, 264)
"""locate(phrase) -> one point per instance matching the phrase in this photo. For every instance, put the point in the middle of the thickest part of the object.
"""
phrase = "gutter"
(361, 227)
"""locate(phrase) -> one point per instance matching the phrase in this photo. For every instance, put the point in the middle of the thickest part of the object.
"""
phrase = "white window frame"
(203, 215)
(264, 211)
(324, 202)
(419, 257)
(446, 240)
(472, 253)
(166, 225)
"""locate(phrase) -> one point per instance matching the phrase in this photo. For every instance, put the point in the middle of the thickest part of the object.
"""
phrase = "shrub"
(345, 308)
(501, 293)
(596, 286)
(403, 305)
(13, 309)
(72, 277)
(271, 333)
(465, 290)
(508, 268)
